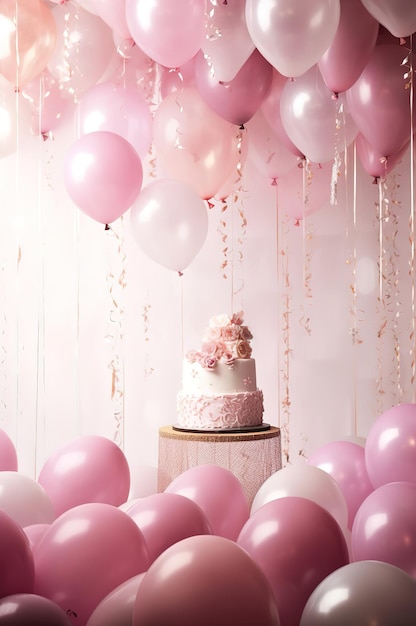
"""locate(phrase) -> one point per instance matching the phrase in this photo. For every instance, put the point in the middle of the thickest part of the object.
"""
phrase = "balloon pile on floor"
(329, 542)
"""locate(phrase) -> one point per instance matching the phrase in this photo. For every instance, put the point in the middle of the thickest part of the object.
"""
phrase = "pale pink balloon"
(374, 163)
(316, 122)
(398, 16)
(117, 108)
(8, 453)
(171, 33)
(87, 469)
(266, 150)
(35, 532)
(304, 190)
(165, 518)
(379, 101)
(195, 144)
(227, 44)
(16, 118)
(85, 554)
(350, 50)
(16, 558)
(177, 78)
(113, 13)
(292, 34)
(239, 99)
(169, 223)
(103, 175)
(28, 35)
(83, 50)
(271, 111)
(24, 499)
(117, 607)
(47, 103)
(220, 495)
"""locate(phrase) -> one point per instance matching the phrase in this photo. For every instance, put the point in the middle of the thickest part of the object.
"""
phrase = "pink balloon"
(117, 607)
(271, 112)
(83, 50)
(174, 80)
(16, 559)
(47, 103)
(267, 151)
(113, 13)
(169, 222)
(205, 580)
(219, 494)
(117, 108)
(314, 121)
(375, 163)
(238, 99)
(291, 34)
(22, 609)
(304, 190)
(87, 469)
(297, 543)
(398, 16)
(165, 518)
(379, 100)
(103, 175)
(351, 48)
(384, 527)
(227, 43)
(86, 553)
(345, 462)
(390, 453)
(195, 144)
(8, 454)
(171, 33)
(35, 532)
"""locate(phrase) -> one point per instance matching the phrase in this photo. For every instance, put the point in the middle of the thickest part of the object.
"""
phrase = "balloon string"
(412, 226)
(381, 302)
(354, 331)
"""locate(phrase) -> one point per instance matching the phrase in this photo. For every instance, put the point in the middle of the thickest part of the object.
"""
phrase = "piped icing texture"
(219, 388)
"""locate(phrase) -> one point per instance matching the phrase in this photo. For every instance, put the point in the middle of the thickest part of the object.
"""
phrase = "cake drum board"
(245, 429)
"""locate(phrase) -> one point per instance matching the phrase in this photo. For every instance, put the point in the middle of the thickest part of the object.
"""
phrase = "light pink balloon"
(374, 163)
(83, 50)
(169, 222)
(195, 144)
(165, 518)
(314, 120)
(379, 100)
(345, 461)
(24, 499)
(220, 495)
(117, 607)
(174, 80)
(35, 532)
(16, 559)
(117, 108)
(205, 581)
(266, 150)
(8, 453)
(103, 175)
(239, 99)
(291, 34)
(86, 553)
(271, 112)
(20, 609)
(171, 33)
(87, 469)
(350, 50)
(227, 44)
(304, 190)
(113, 13)
(48, 106)
(398, 16)
(13, 125)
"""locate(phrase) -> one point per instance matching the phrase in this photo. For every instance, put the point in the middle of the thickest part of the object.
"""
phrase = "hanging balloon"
(375, 163)
(28, 38)
(48, 106)
(15, 118)
(169, 222)
(103, 175)
(315, 121)
(170, 33)
(227, 44)
(398, 16)
(113, 13)
(304, 190)
(351, 48)
(239, 99)
(292, 34)
(379, 101)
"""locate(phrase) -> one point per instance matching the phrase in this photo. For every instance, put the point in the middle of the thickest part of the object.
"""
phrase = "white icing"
(240, 375)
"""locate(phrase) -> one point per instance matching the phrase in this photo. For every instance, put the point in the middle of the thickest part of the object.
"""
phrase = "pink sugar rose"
(228, 357)
(212, 333)
(192, 356)
(231, 333)
(219, 320)
(246, 333)
(243, 350)
(237, 318)
(209, 361)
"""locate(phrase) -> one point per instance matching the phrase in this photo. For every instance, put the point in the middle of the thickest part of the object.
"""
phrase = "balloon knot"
(375, 180)
(107, 227)
(297, 222)
(180, 273)
(210, 204)
(335, 95)
(241, 127)
(274, 182)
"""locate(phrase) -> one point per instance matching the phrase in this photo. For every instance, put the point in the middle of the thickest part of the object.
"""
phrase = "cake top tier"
(225, 339)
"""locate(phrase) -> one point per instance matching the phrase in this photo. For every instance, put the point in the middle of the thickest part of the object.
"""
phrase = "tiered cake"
(219, 388)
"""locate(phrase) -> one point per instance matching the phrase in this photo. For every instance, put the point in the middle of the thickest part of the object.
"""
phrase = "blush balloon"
(28, 608)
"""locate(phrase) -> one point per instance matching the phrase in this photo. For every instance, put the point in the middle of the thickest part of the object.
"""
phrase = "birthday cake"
(219, 386)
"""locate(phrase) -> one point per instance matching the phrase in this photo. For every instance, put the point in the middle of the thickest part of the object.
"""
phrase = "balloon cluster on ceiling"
(206, 84)
(324, 542)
